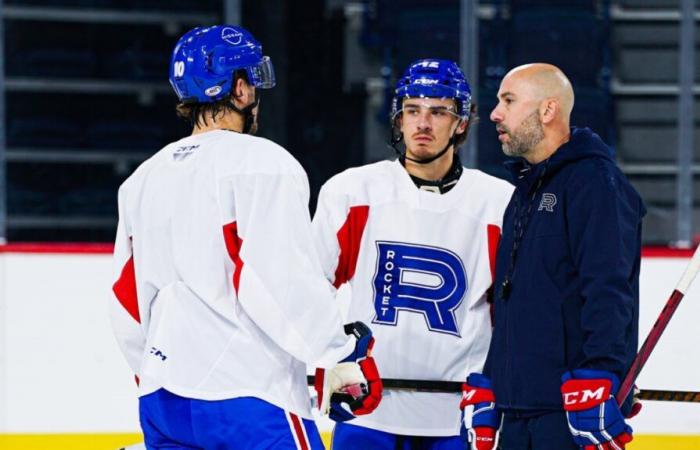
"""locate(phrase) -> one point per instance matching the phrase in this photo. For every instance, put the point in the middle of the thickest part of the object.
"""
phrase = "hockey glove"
(353, 387)
(595, 420)
(479, 403)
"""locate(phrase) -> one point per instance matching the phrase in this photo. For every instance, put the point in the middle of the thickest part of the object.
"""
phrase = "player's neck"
(434, 170)
(229, 121)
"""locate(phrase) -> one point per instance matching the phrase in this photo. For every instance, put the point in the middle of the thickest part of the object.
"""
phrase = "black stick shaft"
(456, 386)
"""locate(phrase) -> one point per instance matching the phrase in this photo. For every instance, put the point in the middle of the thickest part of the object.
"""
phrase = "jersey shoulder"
(362, 181)
(490, 187)
(236, 153)
(141, 172)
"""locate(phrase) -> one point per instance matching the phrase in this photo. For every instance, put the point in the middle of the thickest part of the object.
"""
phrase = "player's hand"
(594, 417)
(353, 387)
(479, 404)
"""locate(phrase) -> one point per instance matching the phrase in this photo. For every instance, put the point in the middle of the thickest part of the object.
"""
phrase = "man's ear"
(462, 127)
(242, 93)
(239, 89)
(471, 118)
(399, 122)
(549, 110)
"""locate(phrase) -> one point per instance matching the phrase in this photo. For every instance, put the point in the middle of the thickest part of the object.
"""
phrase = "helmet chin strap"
(247, 112)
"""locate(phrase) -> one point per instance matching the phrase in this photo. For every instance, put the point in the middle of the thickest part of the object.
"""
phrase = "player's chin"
(421, 150)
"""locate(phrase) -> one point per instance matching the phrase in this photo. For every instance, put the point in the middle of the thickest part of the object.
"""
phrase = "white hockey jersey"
(419, 265)
(218, 293)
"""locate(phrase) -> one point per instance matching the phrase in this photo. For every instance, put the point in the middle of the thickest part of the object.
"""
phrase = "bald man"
(566, 283)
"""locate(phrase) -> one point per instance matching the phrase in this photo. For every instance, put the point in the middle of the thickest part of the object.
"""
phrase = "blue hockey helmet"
(205, 59)
(434, 78)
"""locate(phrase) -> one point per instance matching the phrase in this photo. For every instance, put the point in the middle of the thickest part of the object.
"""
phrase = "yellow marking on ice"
(69, 441)
(664, 442)
(115, 441)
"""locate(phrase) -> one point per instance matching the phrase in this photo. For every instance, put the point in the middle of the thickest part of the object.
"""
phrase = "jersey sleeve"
(338, 228)
(278, 278)
(327, 221)
(123, 304)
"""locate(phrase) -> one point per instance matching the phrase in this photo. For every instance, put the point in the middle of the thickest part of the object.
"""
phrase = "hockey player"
(416, 238)
(218, 303)
(567, 279)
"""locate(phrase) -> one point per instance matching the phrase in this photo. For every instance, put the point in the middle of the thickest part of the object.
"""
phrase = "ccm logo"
(468, 395)
(571, 398)
(584, 394)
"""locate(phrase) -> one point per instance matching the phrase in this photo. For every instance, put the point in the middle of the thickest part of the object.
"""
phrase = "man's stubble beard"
(526, 137)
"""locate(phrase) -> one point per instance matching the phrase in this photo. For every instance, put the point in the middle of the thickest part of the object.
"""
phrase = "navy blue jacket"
(573, 300)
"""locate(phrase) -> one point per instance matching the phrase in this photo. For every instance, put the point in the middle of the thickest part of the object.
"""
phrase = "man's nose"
(424, 122)
(496, 115)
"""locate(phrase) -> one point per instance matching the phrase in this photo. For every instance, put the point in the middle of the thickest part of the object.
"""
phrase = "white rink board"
(61, 370)
(675, 362)
(64, 371)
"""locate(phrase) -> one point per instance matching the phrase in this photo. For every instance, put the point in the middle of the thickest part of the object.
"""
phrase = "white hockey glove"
(354, 382)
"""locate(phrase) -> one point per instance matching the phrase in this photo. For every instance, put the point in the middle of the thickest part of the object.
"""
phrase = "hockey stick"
(456, 386)
(659, 327)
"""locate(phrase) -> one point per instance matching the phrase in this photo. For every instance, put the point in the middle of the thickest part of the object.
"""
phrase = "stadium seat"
(542, 36)
(43, 131)
(593, 109)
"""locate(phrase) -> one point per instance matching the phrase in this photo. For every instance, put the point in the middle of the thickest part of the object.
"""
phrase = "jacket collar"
(583, 144)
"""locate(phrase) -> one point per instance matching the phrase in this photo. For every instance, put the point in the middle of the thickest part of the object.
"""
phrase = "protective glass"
(264, 74)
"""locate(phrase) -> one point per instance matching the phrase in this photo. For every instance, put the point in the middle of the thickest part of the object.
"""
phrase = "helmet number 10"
(179, 68)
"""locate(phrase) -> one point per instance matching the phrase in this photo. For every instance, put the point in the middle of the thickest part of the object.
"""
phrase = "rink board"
(64, 384)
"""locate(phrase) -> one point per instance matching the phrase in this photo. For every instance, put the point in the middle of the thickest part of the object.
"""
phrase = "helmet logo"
(426, 81)
(231, 35)
(213, 91)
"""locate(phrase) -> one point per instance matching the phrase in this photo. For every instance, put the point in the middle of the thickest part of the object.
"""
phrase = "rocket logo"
(547, 203)
(418, 279)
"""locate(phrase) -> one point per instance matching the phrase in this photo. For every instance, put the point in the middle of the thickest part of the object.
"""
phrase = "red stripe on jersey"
(494, 237)
(233, 246)
(125, 290)
(299, 432)
(349, 237)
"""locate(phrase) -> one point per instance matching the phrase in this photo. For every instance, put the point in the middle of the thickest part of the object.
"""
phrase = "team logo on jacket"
(418, 279)
(547, 203)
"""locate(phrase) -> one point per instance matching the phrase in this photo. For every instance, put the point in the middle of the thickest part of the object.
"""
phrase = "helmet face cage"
(205, 59)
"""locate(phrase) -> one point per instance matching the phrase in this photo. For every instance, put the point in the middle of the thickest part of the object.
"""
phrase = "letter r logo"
(427, 280)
